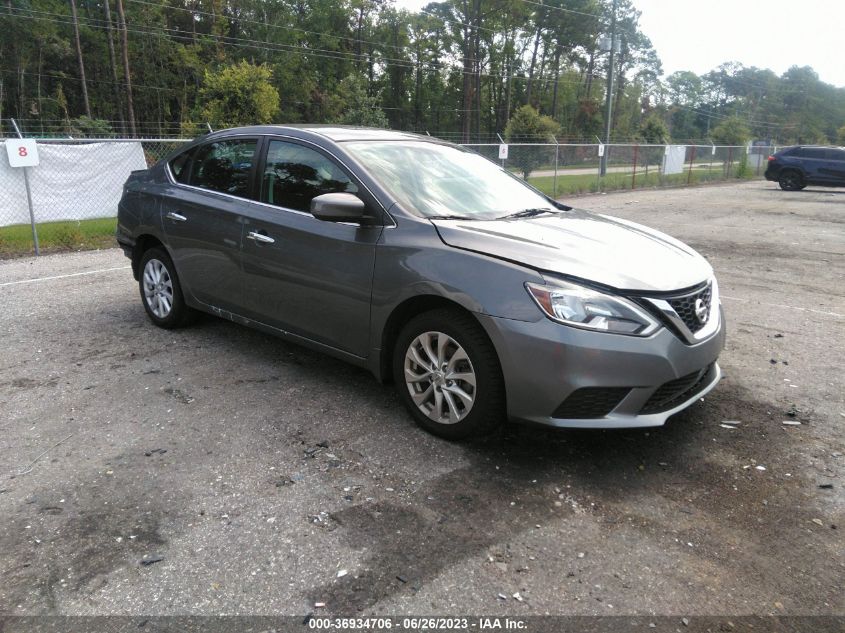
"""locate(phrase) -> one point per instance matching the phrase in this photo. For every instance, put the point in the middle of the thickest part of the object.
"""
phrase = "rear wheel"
(161, 293)
(791, 180)
(448, 375)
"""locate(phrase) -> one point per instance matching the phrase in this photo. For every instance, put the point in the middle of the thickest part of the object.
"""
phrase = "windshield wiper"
(450, 217)
(527, 213)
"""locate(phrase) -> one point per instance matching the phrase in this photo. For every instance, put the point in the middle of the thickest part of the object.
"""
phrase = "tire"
(161, 293)
(441, 396)
(791, 180)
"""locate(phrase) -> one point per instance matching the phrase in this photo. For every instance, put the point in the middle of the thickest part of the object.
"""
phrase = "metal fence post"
(691, 161)
(557, 151)
(28, 196)
(634, 174)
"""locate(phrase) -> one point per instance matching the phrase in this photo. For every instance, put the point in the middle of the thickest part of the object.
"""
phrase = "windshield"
(444, 181)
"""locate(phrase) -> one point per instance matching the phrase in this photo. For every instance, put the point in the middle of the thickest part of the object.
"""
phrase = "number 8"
(22, 151)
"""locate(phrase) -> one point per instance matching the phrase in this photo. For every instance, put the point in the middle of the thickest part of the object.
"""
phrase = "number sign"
(22, 152)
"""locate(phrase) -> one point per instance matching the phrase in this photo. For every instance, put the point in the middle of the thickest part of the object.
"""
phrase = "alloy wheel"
(440, 377)
(158, 288)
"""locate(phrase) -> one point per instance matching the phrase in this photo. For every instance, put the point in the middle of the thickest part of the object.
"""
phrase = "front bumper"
(544, 363)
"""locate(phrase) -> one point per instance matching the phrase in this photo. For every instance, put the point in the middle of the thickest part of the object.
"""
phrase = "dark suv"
(793, 168)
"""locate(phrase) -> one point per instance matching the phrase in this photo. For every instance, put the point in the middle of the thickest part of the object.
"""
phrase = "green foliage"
(654, 130)
(529, 126)
(56, 236)
(588, 119)
(239, 94)
(840, 135)
(743, 171)
(731, 131)
(460, 70)
(355, 107)
(93, 128)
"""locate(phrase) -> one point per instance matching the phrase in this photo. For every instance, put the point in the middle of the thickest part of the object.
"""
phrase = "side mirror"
(338, 207)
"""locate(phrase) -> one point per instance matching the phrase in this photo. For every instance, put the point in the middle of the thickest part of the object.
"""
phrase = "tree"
(731, 131)
(93, 128)
(528, 125)
(840, 135)
(239, 94)
(83, 82)
(355, 107)
(653, 130)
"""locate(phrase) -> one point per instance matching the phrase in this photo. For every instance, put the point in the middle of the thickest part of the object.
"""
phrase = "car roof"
(336, 133)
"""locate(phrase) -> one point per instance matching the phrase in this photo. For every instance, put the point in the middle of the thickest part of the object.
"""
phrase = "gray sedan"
(481, 298)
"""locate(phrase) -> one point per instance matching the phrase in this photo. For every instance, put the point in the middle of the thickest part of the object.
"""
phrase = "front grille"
(675, 392)
(590, 402)
(685, 307)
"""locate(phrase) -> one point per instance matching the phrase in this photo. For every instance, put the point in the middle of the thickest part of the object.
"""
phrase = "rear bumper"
(640, 382)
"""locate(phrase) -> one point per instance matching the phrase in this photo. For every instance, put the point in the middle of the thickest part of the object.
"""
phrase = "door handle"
(176, 217)
(260, 237)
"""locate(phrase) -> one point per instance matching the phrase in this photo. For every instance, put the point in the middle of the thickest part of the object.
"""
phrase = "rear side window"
(224, 166)
(836, 154)
(294, 175)
(180, 167)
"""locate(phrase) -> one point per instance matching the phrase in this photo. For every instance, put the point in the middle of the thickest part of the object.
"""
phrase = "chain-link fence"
(70, 199)
(568, 169)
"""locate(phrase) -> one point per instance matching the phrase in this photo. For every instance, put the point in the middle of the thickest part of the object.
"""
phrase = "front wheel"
(448, 375)
(161, 293)
(791, 181)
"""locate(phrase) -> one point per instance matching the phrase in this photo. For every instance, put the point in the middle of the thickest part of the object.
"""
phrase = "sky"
(776, 34)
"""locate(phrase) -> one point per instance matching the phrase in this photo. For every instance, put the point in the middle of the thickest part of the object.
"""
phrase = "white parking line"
(780, 305)
(87, 272)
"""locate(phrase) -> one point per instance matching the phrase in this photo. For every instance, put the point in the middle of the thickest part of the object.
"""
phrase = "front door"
(301, 274)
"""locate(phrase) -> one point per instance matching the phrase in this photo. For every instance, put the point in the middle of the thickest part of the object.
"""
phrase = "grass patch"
(71, 235)
(591, 183)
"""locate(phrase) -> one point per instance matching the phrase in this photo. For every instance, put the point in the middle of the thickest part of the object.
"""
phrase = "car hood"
(598, 248)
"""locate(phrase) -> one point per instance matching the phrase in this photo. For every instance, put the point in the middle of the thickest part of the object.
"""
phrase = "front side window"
(224, 166)
(294, 175)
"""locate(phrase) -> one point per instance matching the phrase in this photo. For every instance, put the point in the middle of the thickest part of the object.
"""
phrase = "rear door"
(814, 161)
(835, 166)
(202, 218)
(301, 274)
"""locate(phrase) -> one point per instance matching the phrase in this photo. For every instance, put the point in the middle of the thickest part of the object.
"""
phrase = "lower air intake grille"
(590, 402)
(675, 392)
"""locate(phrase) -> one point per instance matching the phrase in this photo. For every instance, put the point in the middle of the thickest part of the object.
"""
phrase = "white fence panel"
(73, 182)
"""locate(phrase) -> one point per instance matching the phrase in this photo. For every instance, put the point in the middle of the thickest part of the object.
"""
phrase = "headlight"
(590, 309)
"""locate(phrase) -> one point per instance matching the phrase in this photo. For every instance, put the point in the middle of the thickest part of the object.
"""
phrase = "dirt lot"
(257, 471)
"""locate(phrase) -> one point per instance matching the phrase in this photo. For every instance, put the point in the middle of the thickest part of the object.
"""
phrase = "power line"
(289, 48)
(268, 25)
(77, 79)
(556, 8)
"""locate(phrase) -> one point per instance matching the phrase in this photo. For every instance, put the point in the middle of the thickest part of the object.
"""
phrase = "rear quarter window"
(180, 167)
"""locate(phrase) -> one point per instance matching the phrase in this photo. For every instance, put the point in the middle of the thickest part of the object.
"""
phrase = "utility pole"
(609, 98)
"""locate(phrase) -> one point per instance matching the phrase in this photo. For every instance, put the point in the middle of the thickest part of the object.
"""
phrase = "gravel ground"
(266, 477)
